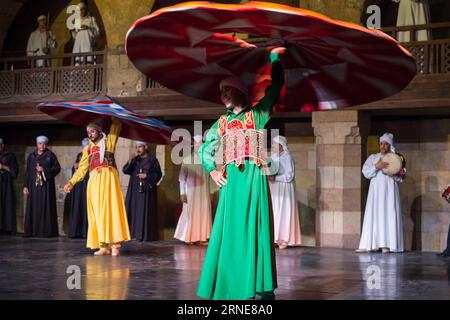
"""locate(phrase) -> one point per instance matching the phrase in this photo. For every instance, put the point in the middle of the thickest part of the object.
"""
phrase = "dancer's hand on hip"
(218, 178)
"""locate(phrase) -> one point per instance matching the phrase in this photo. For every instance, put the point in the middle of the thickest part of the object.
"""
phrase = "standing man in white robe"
(284, 200)
(411, 13)
(194, 225)
(382, 226)
(85, 36)
(40, 42)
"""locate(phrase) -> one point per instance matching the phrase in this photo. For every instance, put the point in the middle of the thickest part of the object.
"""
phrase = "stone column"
(341, 138)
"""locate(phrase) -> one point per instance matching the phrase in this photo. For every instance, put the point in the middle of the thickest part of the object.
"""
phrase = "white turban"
(42, 139)
(1, 141)
(141, 143)
(281, 141)
(198, 138)
(41, 17)
(235, 83)
(81, 5)
(389, 138)
(85, 142)
(94, 126)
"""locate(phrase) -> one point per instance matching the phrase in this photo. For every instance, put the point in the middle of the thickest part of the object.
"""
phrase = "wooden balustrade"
(62, 75)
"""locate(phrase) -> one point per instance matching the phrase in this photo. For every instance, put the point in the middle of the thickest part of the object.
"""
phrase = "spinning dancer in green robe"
(240, 259)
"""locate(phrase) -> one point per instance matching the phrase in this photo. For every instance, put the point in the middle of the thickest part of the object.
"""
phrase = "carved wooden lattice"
(418, 51)
(77, 81)
(446, 58)
(37, 83)
(7, 84)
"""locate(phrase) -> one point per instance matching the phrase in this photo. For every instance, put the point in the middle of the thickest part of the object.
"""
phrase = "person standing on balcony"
(8, 173)
(142, 197)
(40, 42)
(85, 36)
(194, 225)
(41, 218)
(107, 218)
(78, 205)
(413, 13)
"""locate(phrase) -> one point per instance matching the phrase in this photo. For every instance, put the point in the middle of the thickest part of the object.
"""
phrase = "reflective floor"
(37, 269)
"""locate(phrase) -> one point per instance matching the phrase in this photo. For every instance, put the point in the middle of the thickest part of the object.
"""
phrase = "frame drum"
(395, 163)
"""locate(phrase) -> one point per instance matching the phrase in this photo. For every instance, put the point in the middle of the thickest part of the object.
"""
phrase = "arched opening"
(24, 23)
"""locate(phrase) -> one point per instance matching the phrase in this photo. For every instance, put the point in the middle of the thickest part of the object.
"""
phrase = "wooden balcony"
(432, 56)
(22, 86)
(59, 77)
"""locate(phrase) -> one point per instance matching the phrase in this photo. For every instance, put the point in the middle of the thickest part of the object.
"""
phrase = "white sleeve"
(94, 30)
(30, 45)
(51, 41)
(182, 177)
(369, 171)
(288, 169)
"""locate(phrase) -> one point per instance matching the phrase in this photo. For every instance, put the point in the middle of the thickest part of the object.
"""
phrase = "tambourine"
(395, 163)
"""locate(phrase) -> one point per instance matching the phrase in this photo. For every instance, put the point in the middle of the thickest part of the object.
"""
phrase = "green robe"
(240, 259)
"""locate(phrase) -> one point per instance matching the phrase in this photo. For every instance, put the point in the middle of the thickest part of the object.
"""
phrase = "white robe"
(195, 219)
(382, 226)
(411, 13)
(38, 43)
(85, 39)
(284, 202)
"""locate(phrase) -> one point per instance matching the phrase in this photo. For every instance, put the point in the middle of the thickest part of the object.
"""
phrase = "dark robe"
(142, 206)
(78, 207)
(7, 195)
(41, 219)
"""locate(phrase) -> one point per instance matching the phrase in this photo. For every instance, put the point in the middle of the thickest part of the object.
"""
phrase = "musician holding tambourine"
(382, 226)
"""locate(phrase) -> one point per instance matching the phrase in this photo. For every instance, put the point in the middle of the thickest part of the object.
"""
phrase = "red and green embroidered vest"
(240, 140)
(94, 158)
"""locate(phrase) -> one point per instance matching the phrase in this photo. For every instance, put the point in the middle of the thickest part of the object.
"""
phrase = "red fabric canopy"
(329, 64)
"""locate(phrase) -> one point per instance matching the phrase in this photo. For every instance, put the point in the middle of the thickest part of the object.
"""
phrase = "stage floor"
(37, 269)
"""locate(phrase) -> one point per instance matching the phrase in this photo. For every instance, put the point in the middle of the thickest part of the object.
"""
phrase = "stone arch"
(24, 23)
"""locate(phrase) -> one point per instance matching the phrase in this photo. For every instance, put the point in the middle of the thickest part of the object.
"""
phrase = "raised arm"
(128, 168)
(114, 132)
(272, 92)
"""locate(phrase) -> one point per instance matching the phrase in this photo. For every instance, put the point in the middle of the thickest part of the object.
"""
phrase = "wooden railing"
(60, 76)
(432, 56)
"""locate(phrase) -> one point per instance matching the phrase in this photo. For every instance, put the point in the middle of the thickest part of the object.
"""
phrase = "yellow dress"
(107, 218)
